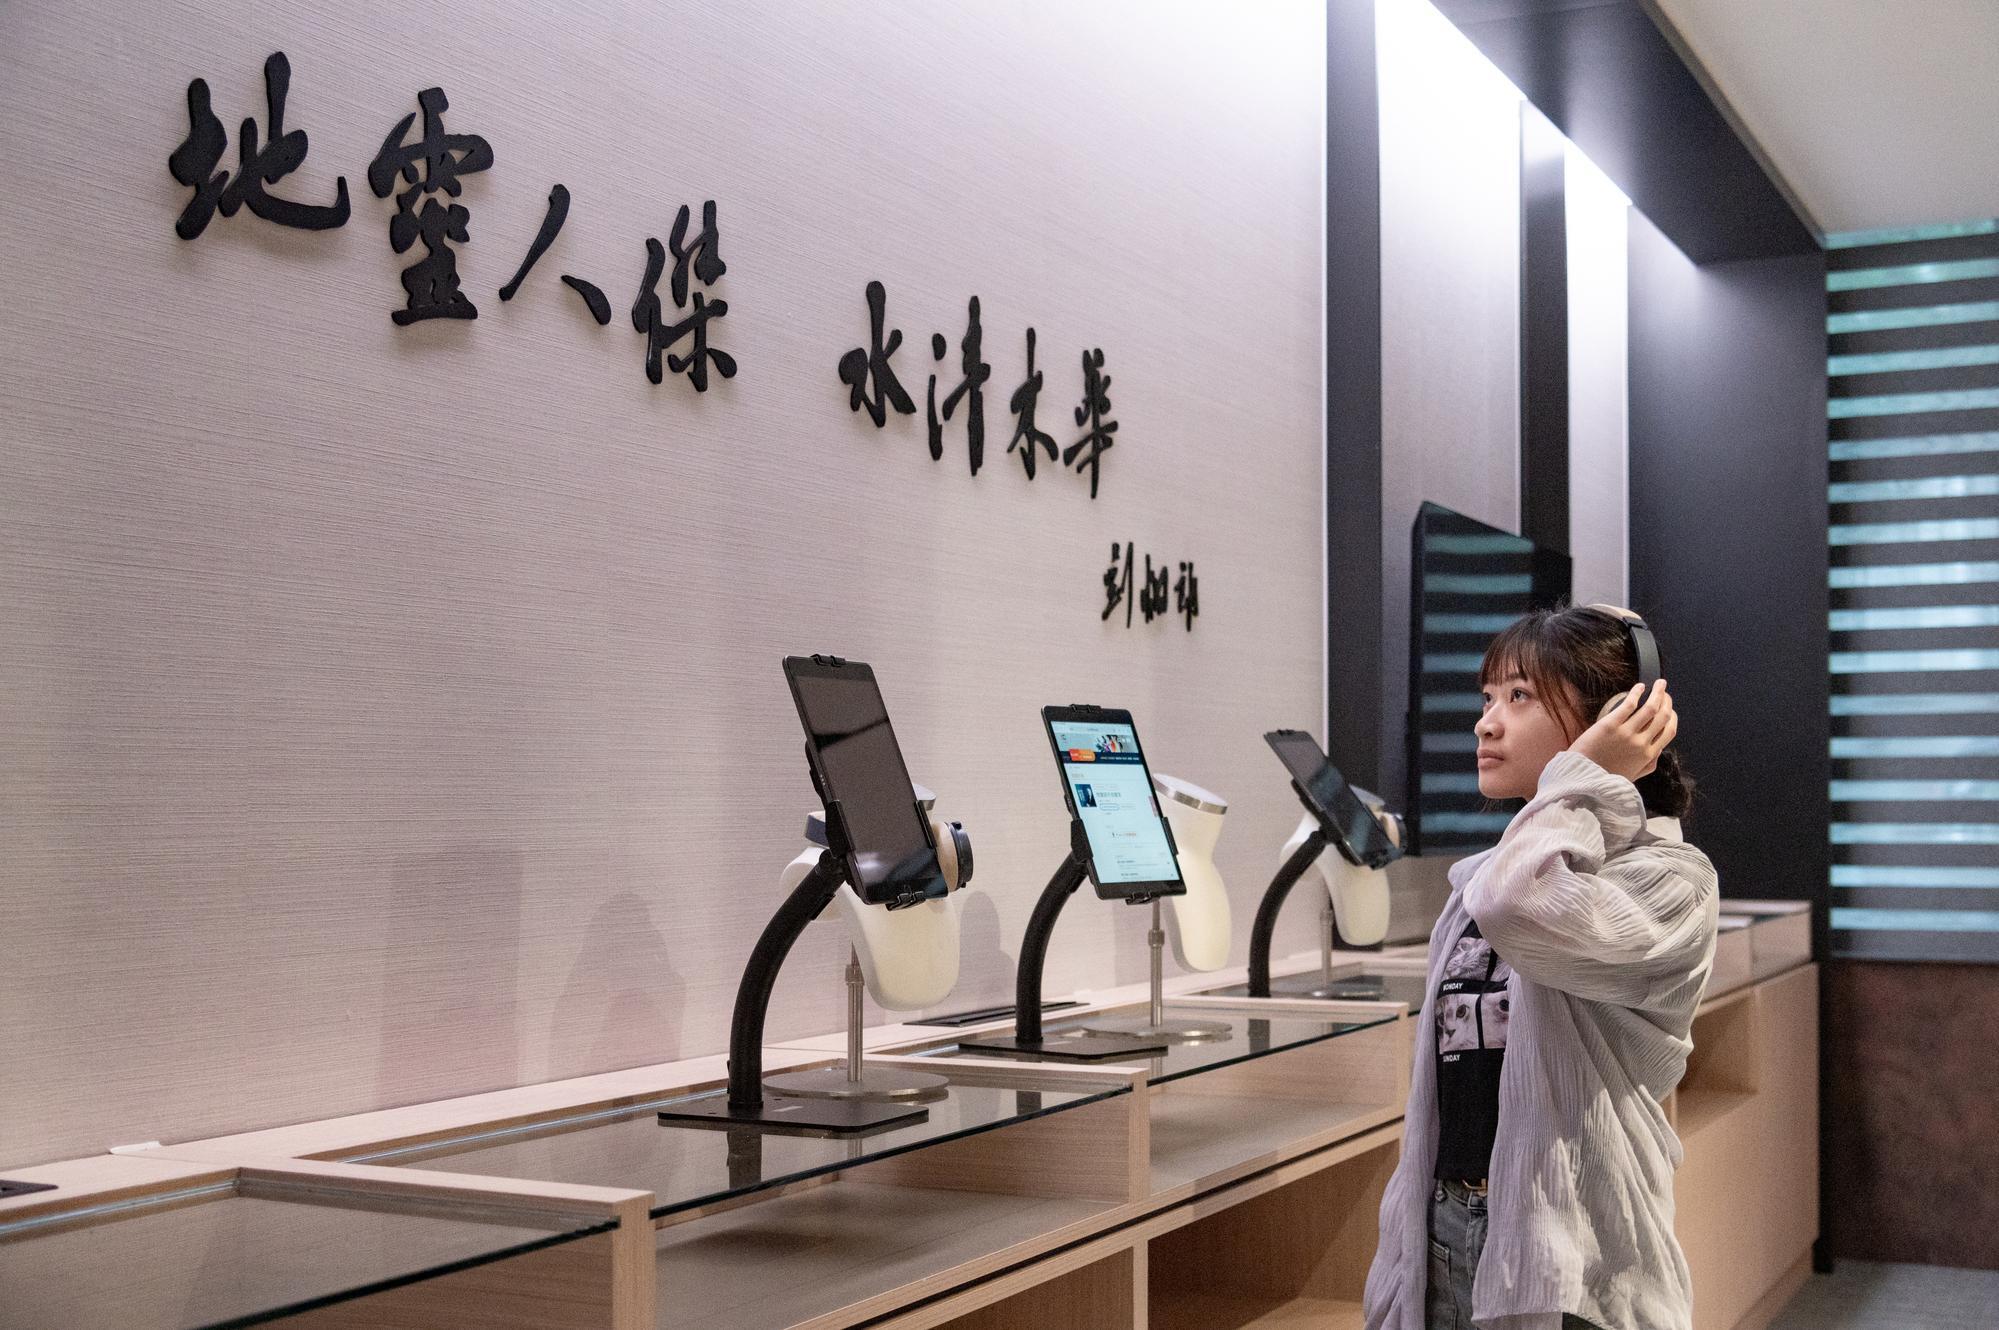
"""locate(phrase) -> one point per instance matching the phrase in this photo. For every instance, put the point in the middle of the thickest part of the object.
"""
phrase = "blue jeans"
(1457, 1239)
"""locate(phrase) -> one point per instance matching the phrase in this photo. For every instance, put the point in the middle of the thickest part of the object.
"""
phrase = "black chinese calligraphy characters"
(551, 226)
(1187, 594)
(976, 372)
(1153, 598)
(867, 365)
(703, 256)
(1022, 405)
(1117, 589)
(1089, 450)
(437, 161)
(261, 165)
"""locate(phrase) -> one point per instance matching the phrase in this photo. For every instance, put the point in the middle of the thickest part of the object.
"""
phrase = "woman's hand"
(1633, 730)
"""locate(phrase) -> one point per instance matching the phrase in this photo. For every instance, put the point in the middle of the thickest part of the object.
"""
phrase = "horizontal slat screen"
(1469, 582)
(1913, 369)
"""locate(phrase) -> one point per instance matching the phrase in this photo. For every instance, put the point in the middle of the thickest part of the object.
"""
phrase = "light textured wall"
(1599, 383)
(1450, 333)
(395, 713)
(1450, 301)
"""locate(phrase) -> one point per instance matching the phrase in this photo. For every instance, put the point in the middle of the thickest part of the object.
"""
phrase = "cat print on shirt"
(1472, 1006)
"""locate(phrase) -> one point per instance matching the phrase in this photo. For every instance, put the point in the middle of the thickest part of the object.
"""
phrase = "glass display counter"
(1275, 1086)
(757, 1229)
(692, 1168)
(1247, 1038)
(1347, 981)
(484, 1209)
(228, 1253)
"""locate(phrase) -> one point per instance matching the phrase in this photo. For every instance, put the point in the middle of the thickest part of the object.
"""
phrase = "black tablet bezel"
(1329, 819)
(1082, 713)
(904, 890)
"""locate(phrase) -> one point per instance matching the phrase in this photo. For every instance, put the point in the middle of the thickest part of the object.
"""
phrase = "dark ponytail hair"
(1578, 658)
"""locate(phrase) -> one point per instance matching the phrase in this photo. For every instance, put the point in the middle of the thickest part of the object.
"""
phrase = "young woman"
(1535, 1188)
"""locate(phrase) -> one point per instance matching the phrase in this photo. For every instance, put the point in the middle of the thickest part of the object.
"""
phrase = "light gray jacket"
(1608, 922)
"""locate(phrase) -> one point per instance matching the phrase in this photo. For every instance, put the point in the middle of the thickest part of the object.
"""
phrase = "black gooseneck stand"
(1027, 1038)
(745, 1104)
(1264, 929)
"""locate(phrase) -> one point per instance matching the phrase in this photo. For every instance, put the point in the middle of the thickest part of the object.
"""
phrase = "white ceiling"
(1875, 113)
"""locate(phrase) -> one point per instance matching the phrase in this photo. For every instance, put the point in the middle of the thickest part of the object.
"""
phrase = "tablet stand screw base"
(1155, 1025)
(856, 1080)
(876, 1084)
(1329, 938)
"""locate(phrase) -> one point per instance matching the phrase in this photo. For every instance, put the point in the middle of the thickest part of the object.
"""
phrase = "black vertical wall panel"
(1544, 333)
(1728, 546)
(1728, 558)
(1355, 726)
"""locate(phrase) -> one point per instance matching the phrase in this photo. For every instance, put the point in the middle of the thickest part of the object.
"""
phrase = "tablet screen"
(1112, 794)
(862, 766)
(1339, 809)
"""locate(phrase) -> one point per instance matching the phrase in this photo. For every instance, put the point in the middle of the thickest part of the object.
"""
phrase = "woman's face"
(1517, 735)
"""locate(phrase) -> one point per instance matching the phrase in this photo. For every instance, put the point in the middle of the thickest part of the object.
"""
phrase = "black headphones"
(1644, 650)
(1644, 653)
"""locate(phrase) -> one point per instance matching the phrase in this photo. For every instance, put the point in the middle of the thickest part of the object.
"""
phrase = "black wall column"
(1544, 333)
(1355, 725)
(1728, 560)
(1728, 546)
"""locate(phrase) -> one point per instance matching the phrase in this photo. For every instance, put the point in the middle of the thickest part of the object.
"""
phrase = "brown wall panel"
(1912, 1123)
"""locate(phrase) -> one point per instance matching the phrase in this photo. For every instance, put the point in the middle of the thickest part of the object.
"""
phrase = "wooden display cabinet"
(1290, 1250)
(1747, 1112)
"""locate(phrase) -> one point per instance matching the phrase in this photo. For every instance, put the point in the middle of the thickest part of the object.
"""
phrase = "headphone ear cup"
(946, 834)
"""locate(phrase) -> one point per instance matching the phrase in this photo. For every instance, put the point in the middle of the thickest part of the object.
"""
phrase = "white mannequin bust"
(1200, 920)
(1359, 895)
(909, 957)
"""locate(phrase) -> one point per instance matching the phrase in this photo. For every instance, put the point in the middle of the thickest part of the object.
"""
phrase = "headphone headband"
(1644, 650)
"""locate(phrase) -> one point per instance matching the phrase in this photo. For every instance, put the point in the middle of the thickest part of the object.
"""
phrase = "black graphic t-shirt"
(1472, 1014)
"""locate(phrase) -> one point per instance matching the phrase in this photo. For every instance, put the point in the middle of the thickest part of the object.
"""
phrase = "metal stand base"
(880, 1084)
(856, 1082)
(1066, 1046)
(1360, 988)
(1352, 986)
(795, 1117)
(1171, 1031)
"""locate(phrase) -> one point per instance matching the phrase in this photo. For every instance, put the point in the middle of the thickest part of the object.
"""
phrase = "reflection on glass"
(1261, 1036)
(685, 1167)
(1348, 983)
(236, 1260)
(1468, 581)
